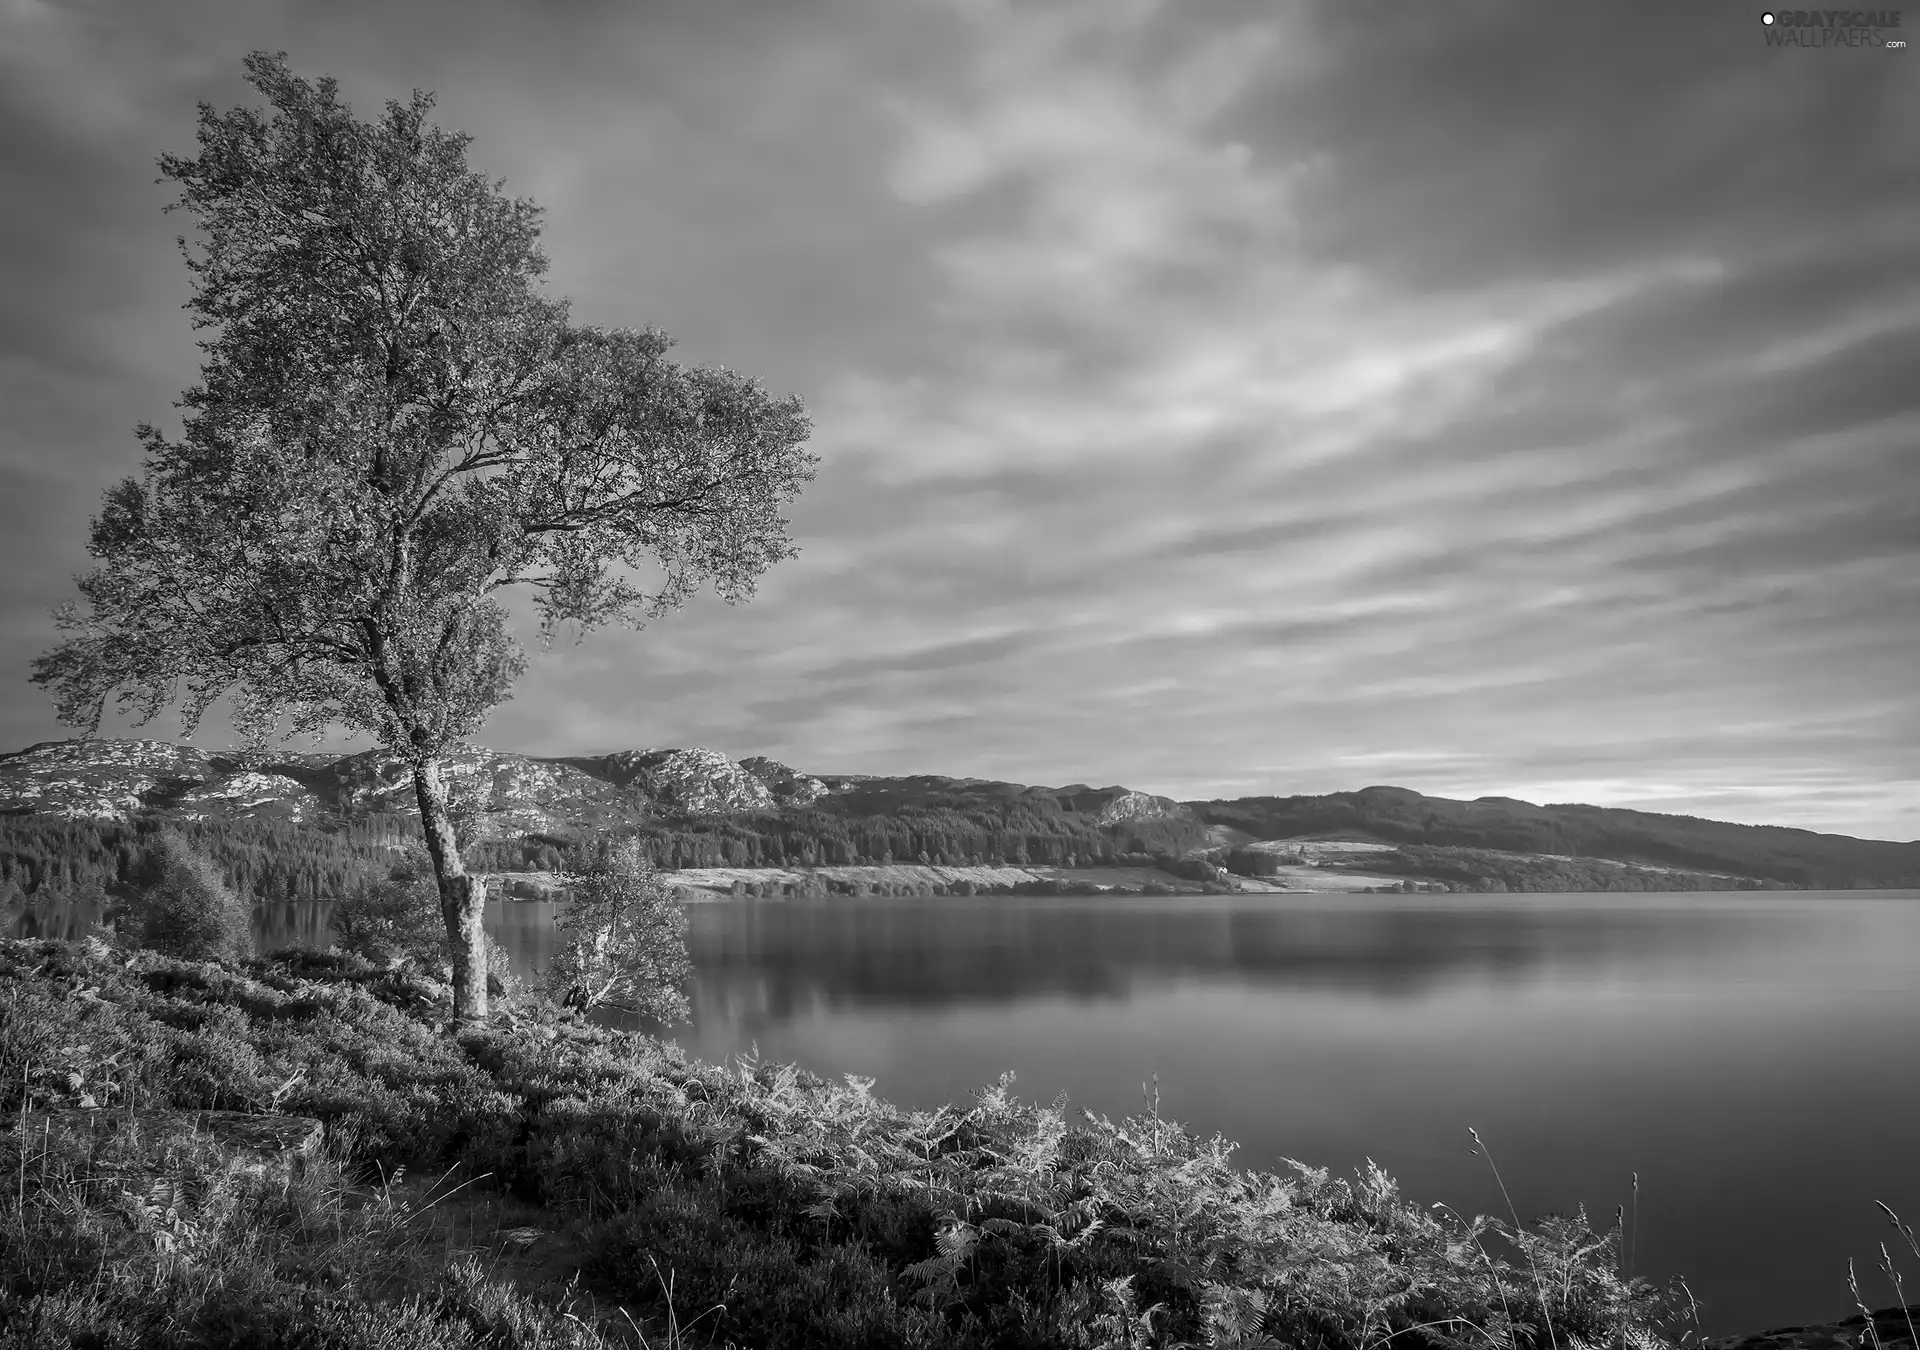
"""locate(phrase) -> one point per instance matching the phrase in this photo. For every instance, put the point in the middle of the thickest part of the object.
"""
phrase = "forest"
(953, 835)
(269, 862)
(273, 861)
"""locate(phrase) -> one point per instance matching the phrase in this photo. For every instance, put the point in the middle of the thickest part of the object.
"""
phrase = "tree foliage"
(186, 909)
(394, 428)
(822, 836)
(622, 939)
(393, 917)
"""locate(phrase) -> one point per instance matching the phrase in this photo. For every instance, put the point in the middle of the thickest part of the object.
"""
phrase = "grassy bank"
(545, 1182)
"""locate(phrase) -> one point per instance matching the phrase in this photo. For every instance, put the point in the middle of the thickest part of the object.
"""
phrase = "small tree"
(392, 918)
(623, 939)
(394, 427)
(183, 906)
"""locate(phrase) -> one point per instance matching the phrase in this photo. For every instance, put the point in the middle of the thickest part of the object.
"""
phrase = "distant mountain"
(702, 809)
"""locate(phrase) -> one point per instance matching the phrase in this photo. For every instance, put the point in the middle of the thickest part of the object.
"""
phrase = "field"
(884, 878)
(897, 878)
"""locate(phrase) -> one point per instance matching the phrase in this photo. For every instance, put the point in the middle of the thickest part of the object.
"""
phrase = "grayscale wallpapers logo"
(1832, 28)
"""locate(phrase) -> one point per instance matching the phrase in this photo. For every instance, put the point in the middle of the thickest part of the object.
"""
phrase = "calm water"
(1753, 1057)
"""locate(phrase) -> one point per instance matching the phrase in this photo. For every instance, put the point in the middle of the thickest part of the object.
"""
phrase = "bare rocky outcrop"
(789, 786)
(1111, 805)
(244, 792)
(503, 794)
(703, 782)
(1138, 806)
(85, 779)
(699, 782)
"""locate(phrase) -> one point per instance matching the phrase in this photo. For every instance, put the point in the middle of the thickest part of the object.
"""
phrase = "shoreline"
(536, 1094)
(965, 1227)
(904, 880)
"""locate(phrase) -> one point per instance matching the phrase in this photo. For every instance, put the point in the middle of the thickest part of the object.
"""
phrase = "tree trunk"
(463, 898)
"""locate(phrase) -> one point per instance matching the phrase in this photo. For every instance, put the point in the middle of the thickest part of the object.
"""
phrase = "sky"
(1214, 398)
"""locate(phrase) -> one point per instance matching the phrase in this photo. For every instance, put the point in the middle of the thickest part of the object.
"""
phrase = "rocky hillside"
(505, 795)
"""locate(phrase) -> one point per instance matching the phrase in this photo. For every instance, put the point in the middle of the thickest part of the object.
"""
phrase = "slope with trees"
(1798, 858)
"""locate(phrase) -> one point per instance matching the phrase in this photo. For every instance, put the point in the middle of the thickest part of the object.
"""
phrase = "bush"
(501, 981)
(623, 939)
(186, 909)
(395, 918)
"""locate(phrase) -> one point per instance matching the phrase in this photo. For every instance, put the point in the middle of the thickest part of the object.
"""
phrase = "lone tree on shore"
(622, 938)
(394, 426)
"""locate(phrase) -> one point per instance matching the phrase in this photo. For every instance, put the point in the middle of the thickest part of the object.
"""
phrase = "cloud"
(1212, 399)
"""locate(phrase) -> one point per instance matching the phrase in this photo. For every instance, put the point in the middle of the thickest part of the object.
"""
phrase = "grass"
(546, 1182)
(1876, 1337)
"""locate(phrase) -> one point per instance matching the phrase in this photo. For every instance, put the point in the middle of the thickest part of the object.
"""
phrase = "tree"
(388, 919)
(185, 908)
(623, 938)
(395, 427)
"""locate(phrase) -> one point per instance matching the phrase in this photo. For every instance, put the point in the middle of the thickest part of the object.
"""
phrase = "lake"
(1750, 1055)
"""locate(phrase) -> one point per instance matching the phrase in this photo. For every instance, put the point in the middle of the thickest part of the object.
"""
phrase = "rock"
(1138, 806)
(1892, 1330)
(247, 793)
(88, 779)
(789, 786)
(693, 782)
(1111, 805)
(267, 1146)
(503, 794)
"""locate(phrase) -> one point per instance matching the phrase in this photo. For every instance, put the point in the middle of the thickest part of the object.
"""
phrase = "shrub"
(501, 981)
(623, 939)
(816, 1213)
(186, 909)
(394, 918)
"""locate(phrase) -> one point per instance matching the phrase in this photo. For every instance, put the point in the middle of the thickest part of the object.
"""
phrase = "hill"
(77, 815)
(1401, 816)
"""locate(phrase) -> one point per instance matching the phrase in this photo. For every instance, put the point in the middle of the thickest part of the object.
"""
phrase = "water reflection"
(780, 958)
(934, 952)
(293, 923)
